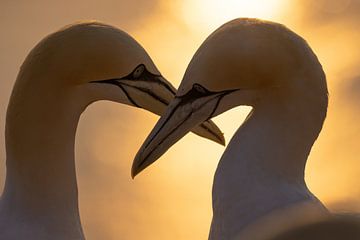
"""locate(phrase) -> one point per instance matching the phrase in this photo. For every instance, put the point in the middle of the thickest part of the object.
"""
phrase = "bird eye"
(199, 88)
(138, 71)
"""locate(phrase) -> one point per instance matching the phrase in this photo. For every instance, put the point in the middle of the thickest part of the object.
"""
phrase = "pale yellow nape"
(210, 14)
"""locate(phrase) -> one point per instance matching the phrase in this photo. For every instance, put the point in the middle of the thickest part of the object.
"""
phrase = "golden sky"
(172, 199)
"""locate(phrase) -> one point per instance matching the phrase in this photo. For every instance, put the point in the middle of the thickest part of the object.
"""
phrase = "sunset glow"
(213, 13)
(172, 199)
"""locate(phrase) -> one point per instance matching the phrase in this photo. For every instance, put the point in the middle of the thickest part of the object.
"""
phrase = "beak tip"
(134, 172)
(221, 140)
(136, 167)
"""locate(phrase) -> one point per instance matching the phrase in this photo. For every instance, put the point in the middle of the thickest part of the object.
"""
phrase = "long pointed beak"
(154, 94)
(183, 113)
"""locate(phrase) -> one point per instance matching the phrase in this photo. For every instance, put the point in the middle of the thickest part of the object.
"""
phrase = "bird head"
(244, 62)
(91, 61)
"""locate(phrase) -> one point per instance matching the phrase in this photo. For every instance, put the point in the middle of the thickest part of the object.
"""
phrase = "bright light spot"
(213, 13)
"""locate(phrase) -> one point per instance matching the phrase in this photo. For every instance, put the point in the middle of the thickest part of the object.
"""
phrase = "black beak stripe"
(197, 91)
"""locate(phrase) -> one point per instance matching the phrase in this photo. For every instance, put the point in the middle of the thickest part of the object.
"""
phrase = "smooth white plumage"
(61, 76)
(266, 66)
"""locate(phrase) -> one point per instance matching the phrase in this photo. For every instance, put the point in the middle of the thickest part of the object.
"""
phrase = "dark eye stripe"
(145, 76)
(154, 80)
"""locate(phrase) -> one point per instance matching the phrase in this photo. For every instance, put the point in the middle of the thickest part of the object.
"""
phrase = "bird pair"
(244, 62)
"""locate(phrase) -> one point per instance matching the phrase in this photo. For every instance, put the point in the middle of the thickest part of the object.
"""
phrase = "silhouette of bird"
(62, 75)
(267, 66)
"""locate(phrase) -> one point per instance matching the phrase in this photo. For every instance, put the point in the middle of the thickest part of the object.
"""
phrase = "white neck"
(262, 168)
(40, 199)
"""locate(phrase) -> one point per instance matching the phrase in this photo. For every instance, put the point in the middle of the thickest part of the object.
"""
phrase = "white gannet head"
(244, 62)
(93, 61)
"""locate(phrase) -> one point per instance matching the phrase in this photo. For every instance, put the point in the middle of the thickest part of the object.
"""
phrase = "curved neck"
(262, 168)
(40, 185)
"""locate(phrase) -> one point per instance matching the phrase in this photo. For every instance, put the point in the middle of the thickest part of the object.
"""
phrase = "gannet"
(61, 76)
(270, 68)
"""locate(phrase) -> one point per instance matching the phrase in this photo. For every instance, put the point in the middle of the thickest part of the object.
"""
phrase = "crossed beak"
(154, 93)
(184, 112)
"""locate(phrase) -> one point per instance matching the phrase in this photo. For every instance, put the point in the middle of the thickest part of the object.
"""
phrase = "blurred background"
(172, 199)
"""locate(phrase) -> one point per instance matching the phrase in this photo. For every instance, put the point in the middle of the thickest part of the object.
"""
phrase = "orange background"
(172, 199)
